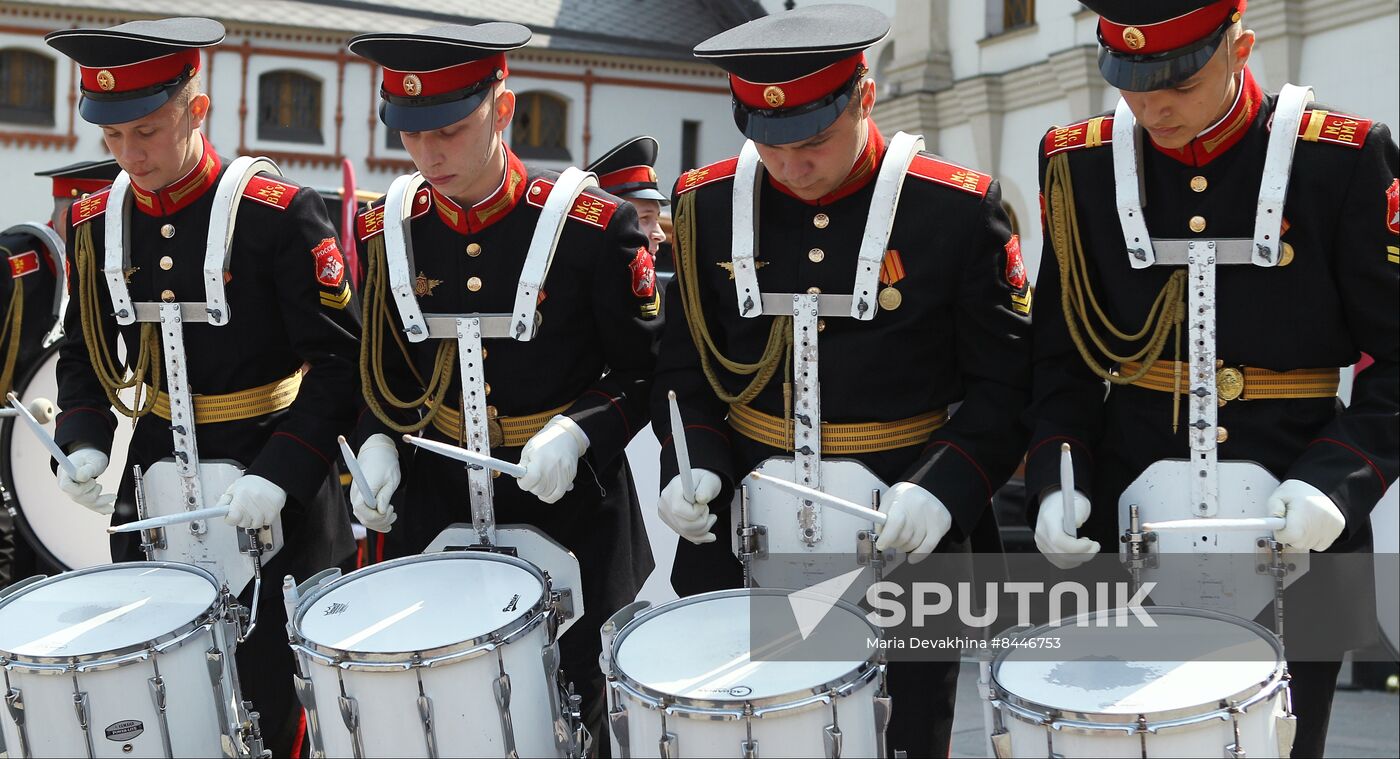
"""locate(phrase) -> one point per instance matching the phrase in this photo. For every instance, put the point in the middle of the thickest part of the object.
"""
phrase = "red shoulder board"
(589, 208)
(950, 174)
(90, 207)
(270, 192)
(1337, 128)
(1086, 134)
(706, 174)
(370, 222)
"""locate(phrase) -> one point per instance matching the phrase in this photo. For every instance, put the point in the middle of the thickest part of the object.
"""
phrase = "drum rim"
(713, 708)
(125, 654)
(526, 622)
(1037, 713)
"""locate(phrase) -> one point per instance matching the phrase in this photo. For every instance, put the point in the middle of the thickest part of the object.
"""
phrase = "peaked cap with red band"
(438, 76)
(1147, 46)
(628, 170)
(130, 70)
(78, 179)
(793, 73)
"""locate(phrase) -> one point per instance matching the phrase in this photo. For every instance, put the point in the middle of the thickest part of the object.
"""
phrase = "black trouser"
(922, 693)
(1312, 688)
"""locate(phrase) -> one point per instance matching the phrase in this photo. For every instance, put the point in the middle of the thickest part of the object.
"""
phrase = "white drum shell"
(793, 725)
(1192, 730)
(465, 716)
(122, 693)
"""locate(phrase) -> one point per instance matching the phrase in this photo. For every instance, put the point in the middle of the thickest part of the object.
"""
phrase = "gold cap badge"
(774, 96)
(1134, 38)
(106, 81)
(412, 85)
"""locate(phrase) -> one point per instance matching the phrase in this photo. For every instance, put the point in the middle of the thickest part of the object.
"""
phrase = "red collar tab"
(444, 81)
(798, 92)
(1174, 33)
(64, 187)
(111, 80)
(489, 211)
(1228, 131)
(184, 191)
(860, 175)
(629, 175)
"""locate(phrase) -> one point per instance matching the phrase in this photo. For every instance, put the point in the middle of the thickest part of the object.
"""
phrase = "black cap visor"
(640, 192)
(1158, 71)
(780, 127)
(424, 114)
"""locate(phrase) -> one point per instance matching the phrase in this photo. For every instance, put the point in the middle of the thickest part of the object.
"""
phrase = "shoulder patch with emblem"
(706, 174)
(330, 266)
(950, 174)
(1086, 134)
(1392, 207)
(1015, 267)
(270, 192)
(90, 207)
(589, 208)
(1337, 128)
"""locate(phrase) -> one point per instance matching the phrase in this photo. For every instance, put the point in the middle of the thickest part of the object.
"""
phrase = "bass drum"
(63, 534)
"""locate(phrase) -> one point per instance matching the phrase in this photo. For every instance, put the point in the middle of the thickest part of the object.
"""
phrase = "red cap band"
(796, 92)
(75, 188)
(628, 175)
(417, 84)
(138, 76)
(1164, 36)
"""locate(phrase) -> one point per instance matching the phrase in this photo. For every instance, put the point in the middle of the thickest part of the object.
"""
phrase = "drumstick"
(169, 519)
(357, 475)
(1070, 525)
(44, 436)
(1210, 525)
(820, 498)
(471, 457)
(682, 449)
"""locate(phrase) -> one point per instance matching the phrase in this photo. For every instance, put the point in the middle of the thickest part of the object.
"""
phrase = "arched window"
(26, 87)
(539, 127)
(289, 107)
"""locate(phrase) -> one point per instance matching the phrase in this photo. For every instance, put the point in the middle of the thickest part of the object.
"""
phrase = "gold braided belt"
(1243, 383)
(838, 439)
(233, 407)
(504, 431)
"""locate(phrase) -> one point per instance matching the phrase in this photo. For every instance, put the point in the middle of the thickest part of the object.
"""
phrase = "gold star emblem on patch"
(106, 81)
(423, 286)
(774, 96)
(729, 266)
(1134, 38)
(412, 85)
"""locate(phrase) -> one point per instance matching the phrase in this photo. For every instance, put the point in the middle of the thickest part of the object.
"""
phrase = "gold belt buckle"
(1229, 384)
(494, 433)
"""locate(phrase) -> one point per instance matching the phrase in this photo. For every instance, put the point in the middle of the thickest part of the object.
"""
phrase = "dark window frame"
(293, 121)
(532, 126)
(27, 87)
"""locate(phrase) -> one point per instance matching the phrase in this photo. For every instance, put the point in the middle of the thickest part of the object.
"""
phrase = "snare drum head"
(421, 603)
(103, 609)
(64, 533)
(1120, 670)
(698, 648)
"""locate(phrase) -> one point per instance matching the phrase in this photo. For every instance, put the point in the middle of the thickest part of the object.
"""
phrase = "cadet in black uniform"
(1282, 332)
(564, 403)
(26, 318)
(629, 172)
(952, 327)
(285, 360)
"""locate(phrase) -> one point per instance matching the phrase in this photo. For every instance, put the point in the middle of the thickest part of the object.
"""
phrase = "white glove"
(1062, 549)
(550, 459)
(691, 520)
(379, 460)
(253, 502)
(917, 521)
(1312, 522)
(83, 487)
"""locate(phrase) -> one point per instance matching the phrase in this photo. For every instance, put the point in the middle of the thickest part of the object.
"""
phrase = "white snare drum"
(682, 683)
(123, 660)
(1108, 695)
(63, 533)
(446, 654)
